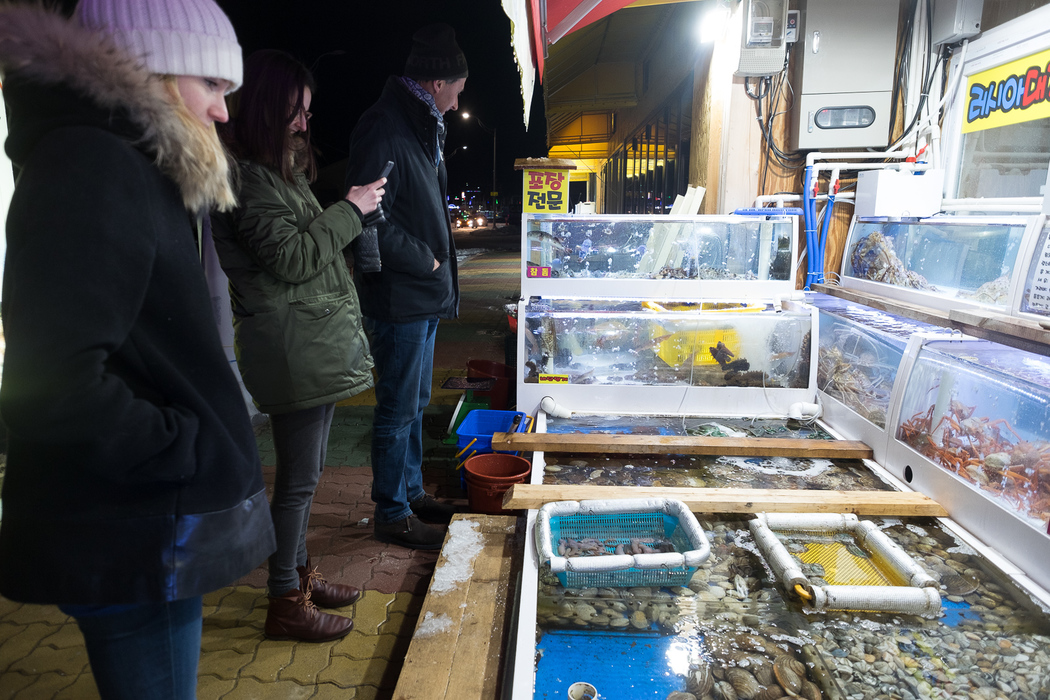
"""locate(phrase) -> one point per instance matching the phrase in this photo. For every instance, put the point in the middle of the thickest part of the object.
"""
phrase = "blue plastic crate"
(621, 528)
(481, 424)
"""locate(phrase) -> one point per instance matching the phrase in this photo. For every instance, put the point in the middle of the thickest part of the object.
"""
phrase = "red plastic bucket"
(489, 476)
(486, 369)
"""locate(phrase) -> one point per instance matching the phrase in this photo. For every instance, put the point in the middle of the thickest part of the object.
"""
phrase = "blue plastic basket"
(621, 528)
(481, 424)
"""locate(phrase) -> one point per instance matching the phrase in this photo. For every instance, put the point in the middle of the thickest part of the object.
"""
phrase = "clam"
(724, 691)
(744, 684)
(700, 679)
(763, 671)
(770, 692)
(681, 695)
(639, 620)
(790, 673)
(810, 691)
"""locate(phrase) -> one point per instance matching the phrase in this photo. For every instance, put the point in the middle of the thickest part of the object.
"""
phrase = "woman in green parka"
(298, 334)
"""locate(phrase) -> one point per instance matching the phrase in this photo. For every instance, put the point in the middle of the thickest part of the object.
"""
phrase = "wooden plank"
(925, 314)
(680, 444)
(888, 503)
(462, 658)
(1007, 330)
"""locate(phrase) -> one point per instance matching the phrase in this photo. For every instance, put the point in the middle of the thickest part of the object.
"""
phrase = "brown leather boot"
(294, 616)
(323, 593)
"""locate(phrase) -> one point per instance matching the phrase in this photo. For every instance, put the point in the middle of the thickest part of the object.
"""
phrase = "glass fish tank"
(567, 254)
(641, 342)
(981, 412)
(955, 259)
(733, 632)
(859, 354)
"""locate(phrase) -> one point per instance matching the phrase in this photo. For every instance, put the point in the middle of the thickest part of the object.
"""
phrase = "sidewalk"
(42, 655)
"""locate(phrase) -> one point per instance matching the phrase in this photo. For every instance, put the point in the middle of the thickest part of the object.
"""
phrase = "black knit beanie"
(436, 55)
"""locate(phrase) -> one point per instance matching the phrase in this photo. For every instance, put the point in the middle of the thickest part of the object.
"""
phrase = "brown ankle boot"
(323, 593)
(294, 616)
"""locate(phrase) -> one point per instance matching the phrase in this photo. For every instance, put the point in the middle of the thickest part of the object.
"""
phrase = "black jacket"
(400, 128)
(132, 471)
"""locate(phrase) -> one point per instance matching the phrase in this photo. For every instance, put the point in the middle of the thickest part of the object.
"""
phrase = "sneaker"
(411, 533)
(294, 616)
(430, 510)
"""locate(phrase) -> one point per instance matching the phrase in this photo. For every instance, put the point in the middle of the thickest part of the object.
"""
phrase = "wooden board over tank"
(871, 503)
(601, 443)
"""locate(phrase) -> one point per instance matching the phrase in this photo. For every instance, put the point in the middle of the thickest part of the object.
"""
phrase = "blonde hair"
(203, 154)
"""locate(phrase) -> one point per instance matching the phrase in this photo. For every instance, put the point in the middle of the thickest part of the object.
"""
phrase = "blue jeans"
(404, 359)
(142, 651)
(300, 439)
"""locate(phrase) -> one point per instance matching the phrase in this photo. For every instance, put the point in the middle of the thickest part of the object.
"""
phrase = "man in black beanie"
(406, 274)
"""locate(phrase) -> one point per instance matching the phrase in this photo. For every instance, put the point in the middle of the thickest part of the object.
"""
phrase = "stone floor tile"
(331, 691)
(7, 606)
(65, 637)
(82, 688)
(241, 605)
(270, 659)
(212, 687)
(308, 661)
(399, 624)
(17, 641)
(251, 689)
(28, 614)
(12, 683)
(42, 659)
(366, 646)
(351, 673)
(224, 663)
(242, 639)
(370, 692)
(371, 611)
(45, 685)
(406, 603)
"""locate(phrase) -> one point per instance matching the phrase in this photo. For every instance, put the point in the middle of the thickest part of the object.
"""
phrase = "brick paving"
(42, 654)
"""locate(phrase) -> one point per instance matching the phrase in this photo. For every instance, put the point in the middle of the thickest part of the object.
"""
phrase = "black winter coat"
(132, 471)
(400, 128)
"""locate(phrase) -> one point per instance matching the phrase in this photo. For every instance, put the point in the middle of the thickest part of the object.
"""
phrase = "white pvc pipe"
(916, 601)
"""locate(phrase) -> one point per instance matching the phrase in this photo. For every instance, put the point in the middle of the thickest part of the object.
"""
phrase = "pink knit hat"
(176, 37)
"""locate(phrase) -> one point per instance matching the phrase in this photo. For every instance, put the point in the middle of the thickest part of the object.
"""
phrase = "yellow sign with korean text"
(1012, 93)
(546, 191)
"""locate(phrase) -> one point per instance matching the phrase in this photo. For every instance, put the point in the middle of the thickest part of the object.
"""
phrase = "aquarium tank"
(665, 343)
(981, 411)
(969, 260)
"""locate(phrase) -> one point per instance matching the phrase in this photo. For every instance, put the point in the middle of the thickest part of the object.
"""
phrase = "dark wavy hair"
(258, 129)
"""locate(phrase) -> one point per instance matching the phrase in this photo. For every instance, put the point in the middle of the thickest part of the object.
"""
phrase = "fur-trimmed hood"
(41, 49)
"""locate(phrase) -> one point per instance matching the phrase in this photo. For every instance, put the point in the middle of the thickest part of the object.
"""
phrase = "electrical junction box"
(763, 45)
(955, 20)
(895, 194)
(843, 74)
(791, 35)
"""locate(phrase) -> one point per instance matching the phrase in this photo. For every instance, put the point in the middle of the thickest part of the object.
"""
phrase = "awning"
(536, 24)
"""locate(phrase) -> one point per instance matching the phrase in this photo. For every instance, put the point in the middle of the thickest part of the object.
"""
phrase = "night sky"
(353, 46)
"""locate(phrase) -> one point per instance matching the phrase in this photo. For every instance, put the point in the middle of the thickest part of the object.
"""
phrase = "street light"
(468, 115)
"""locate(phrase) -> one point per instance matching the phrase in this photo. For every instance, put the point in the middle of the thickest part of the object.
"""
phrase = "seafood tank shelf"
(981, 412)
(860, 351)
(595, 252)
(661, 344)
(948, 259)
